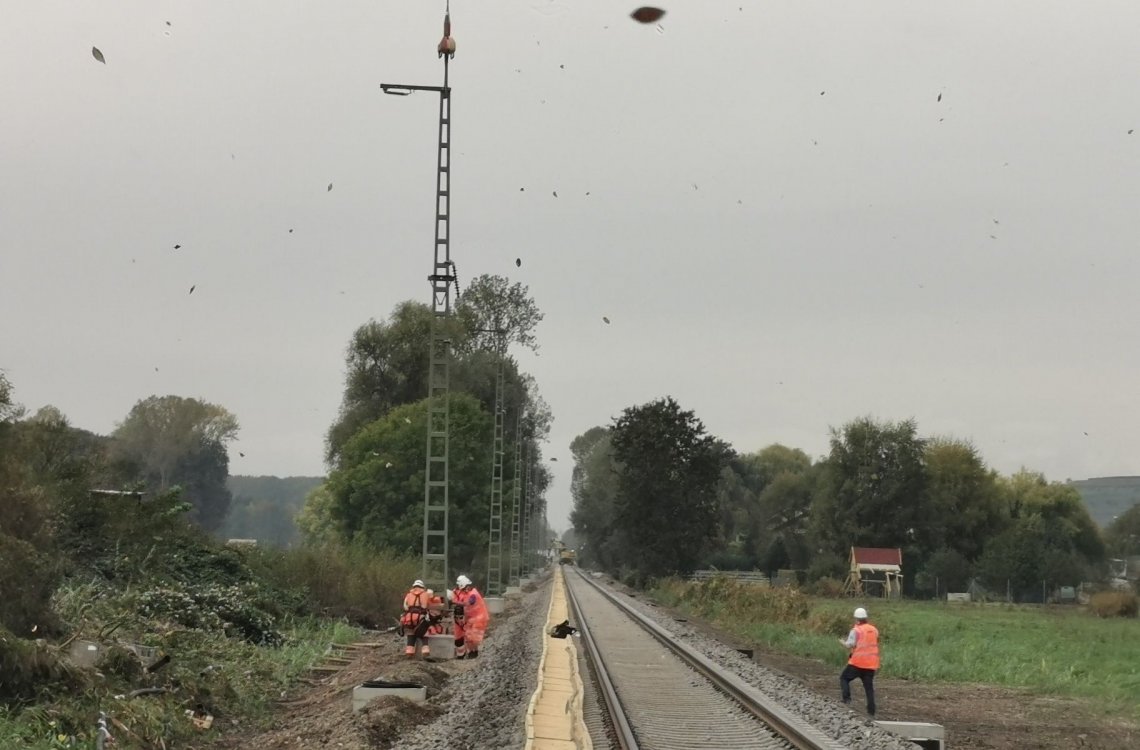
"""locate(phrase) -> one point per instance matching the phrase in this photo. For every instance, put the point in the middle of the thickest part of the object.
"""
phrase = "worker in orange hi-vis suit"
(471, 618)
(414, 616)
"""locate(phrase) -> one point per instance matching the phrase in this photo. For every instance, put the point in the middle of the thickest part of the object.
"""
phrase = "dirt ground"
(318, 712)
(976, 717)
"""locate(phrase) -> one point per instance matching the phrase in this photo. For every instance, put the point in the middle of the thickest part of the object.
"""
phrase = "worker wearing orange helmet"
(471, 618)
(863, 642)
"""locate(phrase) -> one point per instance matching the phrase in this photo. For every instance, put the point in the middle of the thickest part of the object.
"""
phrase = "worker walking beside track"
(470, 616)
(863, 641)
(414, 621)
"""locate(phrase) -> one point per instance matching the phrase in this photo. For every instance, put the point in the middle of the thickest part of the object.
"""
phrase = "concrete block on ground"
(362, 695)
(925, 735)
(495, 604)
(441, 646)
(84, 653)
(513, 590)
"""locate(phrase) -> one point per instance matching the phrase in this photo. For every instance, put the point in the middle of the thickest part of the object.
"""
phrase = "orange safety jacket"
(415, 607)
(865, 655)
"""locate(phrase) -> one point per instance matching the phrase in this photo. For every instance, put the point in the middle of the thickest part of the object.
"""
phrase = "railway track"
(661, 694)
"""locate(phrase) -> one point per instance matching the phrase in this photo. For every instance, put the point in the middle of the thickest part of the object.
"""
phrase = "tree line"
(655, 495)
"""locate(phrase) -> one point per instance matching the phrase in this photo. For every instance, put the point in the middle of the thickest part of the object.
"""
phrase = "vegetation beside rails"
(1062, 650)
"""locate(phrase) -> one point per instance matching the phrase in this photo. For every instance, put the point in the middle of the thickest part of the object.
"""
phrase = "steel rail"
(794, 730)
(623, 732)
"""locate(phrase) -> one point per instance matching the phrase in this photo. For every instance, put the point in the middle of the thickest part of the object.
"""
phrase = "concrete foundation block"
(513, 590)
(495, 604)
(364, 694)
(441, 646)
(926, 736)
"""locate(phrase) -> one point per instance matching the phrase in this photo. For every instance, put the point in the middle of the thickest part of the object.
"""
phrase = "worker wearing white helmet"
(470, 618)
(863, 643)
(414, 616)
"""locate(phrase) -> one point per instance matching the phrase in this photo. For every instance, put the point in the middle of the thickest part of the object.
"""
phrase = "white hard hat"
(418, 582)
(462, 581)
(860, 613)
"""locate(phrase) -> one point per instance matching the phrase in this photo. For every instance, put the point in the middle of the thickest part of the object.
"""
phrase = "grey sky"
(778, 260)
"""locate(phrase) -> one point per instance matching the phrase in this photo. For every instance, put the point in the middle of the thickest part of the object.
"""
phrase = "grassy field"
(1064, 650)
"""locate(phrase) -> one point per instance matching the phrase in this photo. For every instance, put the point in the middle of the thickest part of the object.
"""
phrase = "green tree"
(1122, 537)
(377, 489)
(872, 488)
(174, 440)
(666, 502)
(1048, 540)
(964, 500)
(593, 488)
(491, 303)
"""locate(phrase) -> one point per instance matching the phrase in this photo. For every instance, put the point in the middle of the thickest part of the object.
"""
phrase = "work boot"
(472, 654)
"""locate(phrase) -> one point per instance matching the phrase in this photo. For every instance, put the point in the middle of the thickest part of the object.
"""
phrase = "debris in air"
(940, 97)
(521, 189)
(647, 14)
(555, 193)
(552, 458)
(177, 247)
(98, 55)
(1130, 131)
(407, 420)
(241, 454)
(606, 319)
(822, 93)
(518, 262)
(290, 231)
(192, 288)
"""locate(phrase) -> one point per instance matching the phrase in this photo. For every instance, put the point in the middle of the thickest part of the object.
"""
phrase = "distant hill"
(1107, 497)
(263, 508)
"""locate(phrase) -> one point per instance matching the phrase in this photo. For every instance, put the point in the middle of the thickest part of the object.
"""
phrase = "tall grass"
(362, 585)
(1062, 651)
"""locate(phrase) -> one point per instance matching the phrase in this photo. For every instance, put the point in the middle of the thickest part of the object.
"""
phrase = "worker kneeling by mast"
(471, 618)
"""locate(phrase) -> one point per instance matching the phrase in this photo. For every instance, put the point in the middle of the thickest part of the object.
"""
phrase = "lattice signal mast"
(516, 493)
(495, 530)
(434, 570)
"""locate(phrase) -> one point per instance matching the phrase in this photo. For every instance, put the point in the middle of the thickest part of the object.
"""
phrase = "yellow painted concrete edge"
(579, 732)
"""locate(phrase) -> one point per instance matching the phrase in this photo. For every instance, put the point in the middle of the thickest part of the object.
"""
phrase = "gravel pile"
(485, 707)
(830, 716)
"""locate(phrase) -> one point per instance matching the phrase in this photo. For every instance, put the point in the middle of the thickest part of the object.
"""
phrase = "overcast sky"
(785, 226)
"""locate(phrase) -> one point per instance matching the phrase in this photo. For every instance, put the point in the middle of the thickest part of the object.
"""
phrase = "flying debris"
(552, 458)
(290, 231)
(647, 14)
(329, 189)
(940, 97)
(555, 193)
(606, 319)
(241, 454)
(695, 186)
(522, 189)
(563, 67)
(518, 262)
(192, 288)
(822, 93)
(388, 465)
(1130, 131)
(98, 55)
(177, 247)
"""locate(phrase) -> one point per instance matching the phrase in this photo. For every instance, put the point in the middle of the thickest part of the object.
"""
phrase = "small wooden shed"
(875, 571)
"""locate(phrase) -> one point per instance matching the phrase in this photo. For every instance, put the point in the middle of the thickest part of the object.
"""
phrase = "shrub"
(827, 587)
(27, 579)
(1114, 604)
(829, 623)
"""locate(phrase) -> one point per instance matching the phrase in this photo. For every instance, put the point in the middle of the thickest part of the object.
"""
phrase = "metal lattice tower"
(495, 531)
(526, 515)
(516, 493)
(434, 570)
